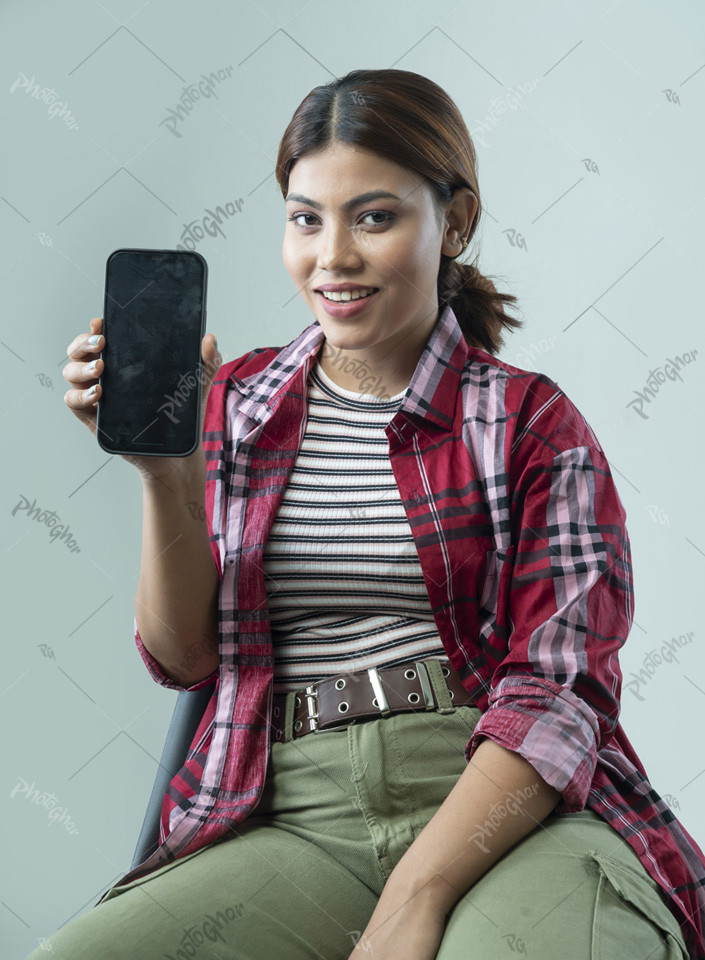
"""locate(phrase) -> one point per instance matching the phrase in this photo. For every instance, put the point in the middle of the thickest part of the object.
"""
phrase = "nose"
(337, 246)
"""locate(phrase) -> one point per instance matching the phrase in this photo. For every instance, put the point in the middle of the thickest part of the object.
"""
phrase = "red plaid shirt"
(523, 545)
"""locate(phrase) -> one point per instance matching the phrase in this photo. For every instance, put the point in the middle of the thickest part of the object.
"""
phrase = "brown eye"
(296, 216)
(379, 213)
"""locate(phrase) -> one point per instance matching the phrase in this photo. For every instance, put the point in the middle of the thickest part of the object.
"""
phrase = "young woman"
(410, 590)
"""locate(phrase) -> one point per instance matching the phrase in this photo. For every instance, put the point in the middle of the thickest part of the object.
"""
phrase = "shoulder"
(250, 363)
(538, 417)
(237, 370)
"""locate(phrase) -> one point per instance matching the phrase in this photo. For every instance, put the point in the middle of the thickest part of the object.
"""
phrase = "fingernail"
(215, 342)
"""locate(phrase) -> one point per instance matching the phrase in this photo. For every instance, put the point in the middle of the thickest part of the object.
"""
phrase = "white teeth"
(347, 294)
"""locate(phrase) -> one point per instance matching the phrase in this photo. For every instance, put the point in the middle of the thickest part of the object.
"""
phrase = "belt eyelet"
(298, 701)
(298, 725)
(339, 684)
(375, 702)
(446, 671)
(452, 694)
(413, 698)
(343, 706)
(410, 674)
(276, 711)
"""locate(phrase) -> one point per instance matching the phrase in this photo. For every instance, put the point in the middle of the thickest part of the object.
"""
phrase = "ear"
(460, 216)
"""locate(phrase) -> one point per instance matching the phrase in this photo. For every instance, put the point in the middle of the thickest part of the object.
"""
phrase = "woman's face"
(390, 243)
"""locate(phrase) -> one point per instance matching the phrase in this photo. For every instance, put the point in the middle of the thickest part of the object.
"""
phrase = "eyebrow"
(349, 204)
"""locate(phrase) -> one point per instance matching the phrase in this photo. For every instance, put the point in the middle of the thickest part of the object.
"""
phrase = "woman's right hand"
(82, 378)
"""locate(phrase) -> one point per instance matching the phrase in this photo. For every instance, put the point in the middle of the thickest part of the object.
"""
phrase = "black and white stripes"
(345, 589)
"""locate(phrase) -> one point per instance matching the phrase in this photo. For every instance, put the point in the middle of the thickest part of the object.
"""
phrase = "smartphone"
(154, 319)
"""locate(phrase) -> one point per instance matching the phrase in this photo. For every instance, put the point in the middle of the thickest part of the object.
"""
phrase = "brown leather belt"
(366, 694)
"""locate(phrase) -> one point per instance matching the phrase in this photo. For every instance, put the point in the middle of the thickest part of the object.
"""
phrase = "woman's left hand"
(412, 931)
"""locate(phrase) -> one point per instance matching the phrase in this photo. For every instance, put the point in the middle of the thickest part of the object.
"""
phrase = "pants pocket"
(628, 906)
(470, 716)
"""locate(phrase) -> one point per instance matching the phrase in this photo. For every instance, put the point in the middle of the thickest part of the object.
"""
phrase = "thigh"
(260, 894)
(572, 888)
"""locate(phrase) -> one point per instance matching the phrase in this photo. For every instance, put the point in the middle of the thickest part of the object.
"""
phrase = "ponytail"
(476, 303)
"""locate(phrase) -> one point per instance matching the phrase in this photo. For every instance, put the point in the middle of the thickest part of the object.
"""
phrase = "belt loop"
(289, 710)
(440, 688)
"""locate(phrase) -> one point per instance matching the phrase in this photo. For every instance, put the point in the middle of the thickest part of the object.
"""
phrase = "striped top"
(345, 589)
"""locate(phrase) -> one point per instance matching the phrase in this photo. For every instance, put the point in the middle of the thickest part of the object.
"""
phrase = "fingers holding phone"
(212, 360)
(83, 373)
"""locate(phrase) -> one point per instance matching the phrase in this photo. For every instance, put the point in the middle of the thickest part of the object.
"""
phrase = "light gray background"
(591, 177)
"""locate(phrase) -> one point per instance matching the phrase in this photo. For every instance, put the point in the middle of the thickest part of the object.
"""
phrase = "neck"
(386, 369)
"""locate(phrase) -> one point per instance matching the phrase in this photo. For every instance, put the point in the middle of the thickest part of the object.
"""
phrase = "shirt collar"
(431, 395)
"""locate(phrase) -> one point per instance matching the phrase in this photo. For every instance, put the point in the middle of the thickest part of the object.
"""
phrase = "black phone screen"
(153, 322)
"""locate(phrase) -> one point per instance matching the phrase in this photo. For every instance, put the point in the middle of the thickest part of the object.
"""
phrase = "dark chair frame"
(188, 713)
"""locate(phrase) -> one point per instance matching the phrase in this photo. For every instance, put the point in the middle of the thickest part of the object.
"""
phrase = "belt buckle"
(312, 703)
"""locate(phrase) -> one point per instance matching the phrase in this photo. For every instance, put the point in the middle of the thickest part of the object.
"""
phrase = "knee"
(94, 935)
(596, 908)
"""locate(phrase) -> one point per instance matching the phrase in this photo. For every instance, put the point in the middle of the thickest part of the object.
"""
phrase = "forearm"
(177, 592)
(498, 799)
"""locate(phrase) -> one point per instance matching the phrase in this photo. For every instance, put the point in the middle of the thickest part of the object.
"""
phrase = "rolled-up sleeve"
(157, 672)
(555, 696)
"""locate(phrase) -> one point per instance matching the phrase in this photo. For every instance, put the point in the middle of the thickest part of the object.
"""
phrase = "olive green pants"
(301, 877)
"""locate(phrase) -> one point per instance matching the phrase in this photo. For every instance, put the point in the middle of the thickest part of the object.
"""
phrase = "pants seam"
(595, 935)
(370, 820)
(402, 780)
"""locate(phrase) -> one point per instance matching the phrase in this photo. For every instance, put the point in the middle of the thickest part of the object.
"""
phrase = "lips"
(346, 308)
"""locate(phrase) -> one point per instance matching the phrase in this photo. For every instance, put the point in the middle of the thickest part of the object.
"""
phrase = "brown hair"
(409, 119)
